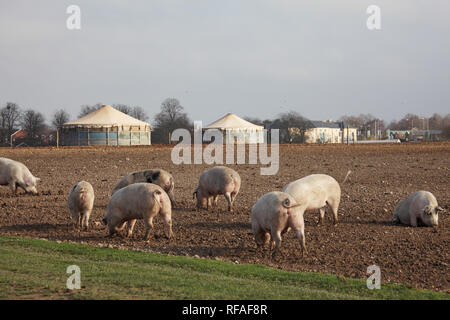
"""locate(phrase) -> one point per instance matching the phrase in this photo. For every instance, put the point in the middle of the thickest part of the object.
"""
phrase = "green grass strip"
(36, 269)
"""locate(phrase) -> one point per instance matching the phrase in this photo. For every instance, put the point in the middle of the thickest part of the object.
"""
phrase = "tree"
(292, 126)
(86, 109)
(59, 118)
(256, 121)
(408, 122)
(123, 108)
(9, 120)
(170, 117)
(139, 113)
(136, 111)
(33, 123)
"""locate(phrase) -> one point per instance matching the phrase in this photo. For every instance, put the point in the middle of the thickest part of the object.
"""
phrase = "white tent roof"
(232, 121)
(106, 116)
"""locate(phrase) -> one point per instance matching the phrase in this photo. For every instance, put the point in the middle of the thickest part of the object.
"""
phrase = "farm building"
(105, 126)
(328, 132)
(233, 126)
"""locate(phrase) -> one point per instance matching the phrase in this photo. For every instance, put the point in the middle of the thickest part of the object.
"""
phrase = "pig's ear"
(427, 210)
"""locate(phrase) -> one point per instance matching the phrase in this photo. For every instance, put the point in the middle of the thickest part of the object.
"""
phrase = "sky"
(254, 58)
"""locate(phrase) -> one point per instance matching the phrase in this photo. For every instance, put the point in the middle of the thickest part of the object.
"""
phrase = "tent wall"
(103, 136)
(244, 136)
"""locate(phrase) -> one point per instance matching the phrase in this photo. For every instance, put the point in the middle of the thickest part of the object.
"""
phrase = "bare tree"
(86, 109)
(139, 113)
(123, 108)
(292, 126)
(9, 119)
(170, 117)
(136, 111)
(59, 118)
(406, 123)
(253, 120)
(33, 123)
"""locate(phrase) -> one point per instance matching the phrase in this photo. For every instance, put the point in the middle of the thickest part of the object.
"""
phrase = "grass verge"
(36, 269)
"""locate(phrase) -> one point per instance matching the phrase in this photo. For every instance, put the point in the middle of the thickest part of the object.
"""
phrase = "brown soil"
(381, 176)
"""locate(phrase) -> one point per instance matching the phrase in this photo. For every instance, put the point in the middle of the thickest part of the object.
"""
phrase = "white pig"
(420, 206)
(138, 201)
(273, 215)
(81, 203)
(214, 182)
(16, 174)
(316, 191)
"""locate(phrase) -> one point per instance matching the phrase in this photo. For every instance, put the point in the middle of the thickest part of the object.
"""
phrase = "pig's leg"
(233, 196)
(82, 220)
(300, 232)
(334, 205)
(321, 216)
(208, 202)
(87, 215)
(13, 186)
(261, 238)
(216, 197)
(148, 226)
(230, 203)
(276, 236)
(79, 221)
(130, 227)
(85, 219)
(266, 239)
(168, 222)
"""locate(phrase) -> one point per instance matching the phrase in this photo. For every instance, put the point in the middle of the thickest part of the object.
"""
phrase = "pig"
(316, 191)
(159, 177)
(274, 214)
(419, 207)
(214, 182)
(81, 202)
(138, 201)
(16, 174)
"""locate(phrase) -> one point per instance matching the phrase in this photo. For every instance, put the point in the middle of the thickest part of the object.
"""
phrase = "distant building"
(328, 132)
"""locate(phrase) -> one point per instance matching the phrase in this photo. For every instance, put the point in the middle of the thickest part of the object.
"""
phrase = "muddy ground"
(381, 176)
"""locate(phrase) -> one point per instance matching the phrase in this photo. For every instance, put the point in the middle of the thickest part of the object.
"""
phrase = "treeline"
(172, 115)
(36, 131)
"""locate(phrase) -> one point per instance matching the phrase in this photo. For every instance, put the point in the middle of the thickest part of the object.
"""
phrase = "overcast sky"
(253, 57)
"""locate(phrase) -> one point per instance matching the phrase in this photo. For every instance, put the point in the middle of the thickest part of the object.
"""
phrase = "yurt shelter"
(238, 129)
(105, 126)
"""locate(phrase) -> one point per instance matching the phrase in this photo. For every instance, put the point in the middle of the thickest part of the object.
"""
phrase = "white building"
(329, 132)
